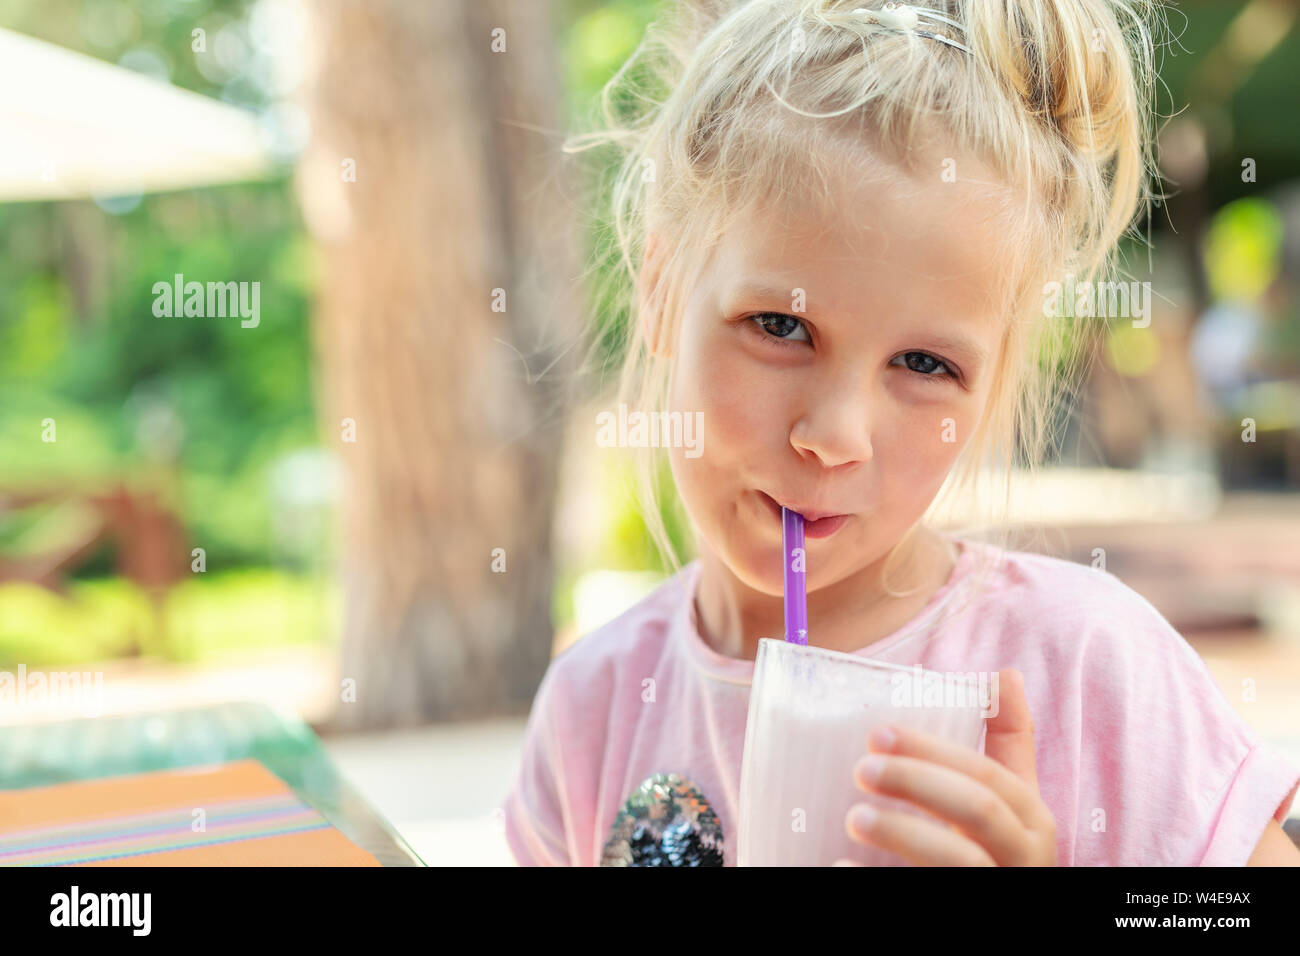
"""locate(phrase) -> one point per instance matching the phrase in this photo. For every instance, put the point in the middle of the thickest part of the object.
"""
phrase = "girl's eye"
(780, 329)
(925, 364)
(783, 328)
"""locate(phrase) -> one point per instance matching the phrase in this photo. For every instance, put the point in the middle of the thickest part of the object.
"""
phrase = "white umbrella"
(72, 126)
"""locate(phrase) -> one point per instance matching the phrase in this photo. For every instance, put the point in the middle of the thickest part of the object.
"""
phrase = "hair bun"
(1072, 62)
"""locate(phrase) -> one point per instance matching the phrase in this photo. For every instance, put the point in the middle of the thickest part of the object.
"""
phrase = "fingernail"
(864, 816)
(883, 737)
(873, 766)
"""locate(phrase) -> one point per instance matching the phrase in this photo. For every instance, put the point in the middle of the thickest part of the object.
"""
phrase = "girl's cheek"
(730, 405)
(724, 386)
(924, 449)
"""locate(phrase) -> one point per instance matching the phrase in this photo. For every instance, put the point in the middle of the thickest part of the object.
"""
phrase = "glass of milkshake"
(810, 711)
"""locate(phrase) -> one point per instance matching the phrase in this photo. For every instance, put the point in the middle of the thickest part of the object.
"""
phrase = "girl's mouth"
(822, 527)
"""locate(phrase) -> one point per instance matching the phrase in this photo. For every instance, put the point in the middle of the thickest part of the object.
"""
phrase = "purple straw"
(796, 580)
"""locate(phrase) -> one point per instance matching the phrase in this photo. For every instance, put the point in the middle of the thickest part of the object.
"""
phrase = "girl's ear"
(650, 298)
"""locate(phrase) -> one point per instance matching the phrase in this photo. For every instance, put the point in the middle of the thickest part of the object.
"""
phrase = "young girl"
(839, 220)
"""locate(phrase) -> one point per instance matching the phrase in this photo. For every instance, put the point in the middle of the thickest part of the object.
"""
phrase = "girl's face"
(841, 366)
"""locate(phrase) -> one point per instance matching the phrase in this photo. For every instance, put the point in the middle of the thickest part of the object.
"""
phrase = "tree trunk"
(455, 435)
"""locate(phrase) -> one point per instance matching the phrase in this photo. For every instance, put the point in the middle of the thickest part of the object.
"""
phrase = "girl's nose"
(836, 430)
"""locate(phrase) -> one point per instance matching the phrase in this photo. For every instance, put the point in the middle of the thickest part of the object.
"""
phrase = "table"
(36, 755)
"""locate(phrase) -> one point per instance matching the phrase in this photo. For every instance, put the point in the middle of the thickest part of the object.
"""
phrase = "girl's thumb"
(1009, 734)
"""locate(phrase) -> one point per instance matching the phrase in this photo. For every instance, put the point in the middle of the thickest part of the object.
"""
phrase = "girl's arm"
(1275, 848)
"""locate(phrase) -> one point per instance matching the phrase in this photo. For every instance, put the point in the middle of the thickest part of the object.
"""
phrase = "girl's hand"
(989, 808)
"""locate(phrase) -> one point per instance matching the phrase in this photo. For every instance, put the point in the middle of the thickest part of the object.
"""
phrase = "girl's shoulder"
(1046, 583)
(1052, 600)
(633, 639)
(1030, 573)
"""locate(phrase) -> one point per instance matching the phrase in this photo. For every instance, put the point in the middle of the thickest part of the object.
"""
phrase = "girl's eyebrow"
(761, 289)
(973, 353)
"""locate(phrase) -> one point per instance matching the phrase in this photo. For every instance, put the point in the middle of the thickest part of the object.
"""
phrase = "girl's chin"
(761, 568)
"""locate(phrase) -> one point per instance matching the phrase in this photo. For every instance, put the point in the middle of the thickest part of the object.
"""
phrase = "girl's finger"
(1017, 794)
(953, 797)
(916, 840)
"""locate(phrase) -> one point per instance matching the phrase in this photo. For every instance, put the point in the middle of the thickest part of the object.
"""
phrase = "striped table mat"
(235, 814)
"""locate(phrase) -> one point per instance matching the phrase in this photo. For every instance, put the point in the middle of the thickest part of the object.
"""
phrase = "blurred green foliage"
(200, 408)
(102, 369)
(1243, 249)
(203, 618)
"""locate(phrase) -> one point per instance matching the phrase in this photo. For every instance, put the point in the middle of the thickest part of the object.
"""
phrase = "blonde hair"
(732, 104)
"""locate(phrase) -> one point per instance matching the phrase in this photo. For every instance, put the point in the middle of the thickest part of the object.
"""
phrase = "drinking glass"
(810, 711)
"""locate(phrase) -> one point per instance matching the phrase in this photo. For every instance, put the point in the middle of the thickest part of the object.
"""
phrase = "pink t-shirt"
(1140, 756)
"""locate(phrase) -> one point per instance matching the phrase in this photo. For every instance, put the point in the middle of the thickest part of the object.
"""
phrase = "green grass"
(206, 617)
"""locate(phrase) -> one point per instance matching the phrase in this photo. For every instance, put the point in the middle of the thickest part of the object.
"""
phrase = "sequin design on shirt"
(666, 821)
